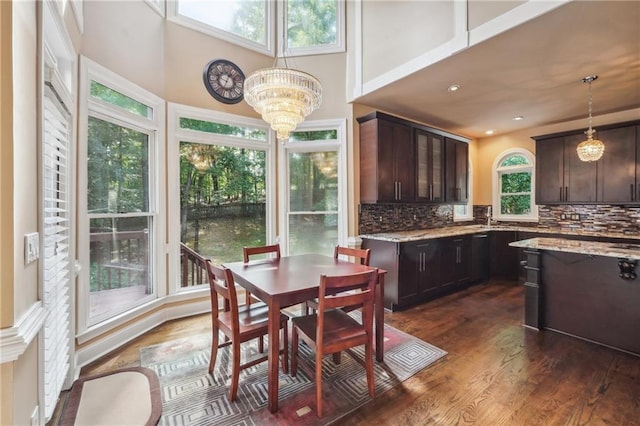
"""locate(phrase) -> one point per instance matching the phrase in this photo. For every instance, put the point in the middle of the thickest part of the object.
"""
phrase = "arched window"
(513, 186)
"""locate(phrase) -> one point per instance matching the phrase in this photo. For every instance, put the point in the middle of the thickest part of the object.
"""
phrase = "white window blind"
(56, 255)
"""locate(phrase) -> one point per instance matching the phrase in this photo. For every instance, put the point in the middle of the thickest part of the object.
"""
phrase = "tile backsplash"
(586, 217)
(376, 218)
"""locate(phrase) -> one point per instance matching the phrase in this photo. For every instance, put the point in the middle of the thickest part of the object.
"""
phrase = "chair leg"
(337, 358)
(318, 382)
(294, 352)
(214, 350)
(285, 342)
(368, 353)
(235, 370)
(261, 344)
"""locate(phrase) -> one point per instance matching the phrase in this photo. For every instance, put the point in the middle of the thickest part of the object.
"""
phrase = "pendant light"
(591, 149)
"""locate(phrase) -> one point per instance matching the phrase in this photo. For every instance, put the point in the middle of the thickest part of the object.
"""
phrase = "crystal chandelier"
(284, 97)
(591, 149)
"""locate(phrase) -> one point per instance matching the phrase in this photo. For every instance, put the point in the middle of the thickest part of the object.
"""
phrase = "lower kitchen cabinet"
(422, 270)
(455, 263)
(419, 271)
(480, 257)
(504, 259)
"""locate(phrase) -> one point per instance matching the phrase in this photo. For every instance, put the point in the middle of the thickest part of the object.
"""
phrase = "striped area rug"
(191, 396)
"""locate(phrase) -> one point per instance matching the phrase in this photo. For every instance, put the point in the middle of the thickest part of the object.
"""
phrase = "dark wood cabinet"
(455, 262)
(429, 167)
(406, 162)
(387, 171)
(619, 169)
(419, 271)
(457, 171)
(550, 171)
(561, 178)
(480, 257)
(504, 259)
(560, 175)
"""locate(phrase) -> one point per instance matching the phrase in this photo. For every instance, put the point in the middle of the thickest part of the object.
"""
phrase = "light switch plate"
(31, 247)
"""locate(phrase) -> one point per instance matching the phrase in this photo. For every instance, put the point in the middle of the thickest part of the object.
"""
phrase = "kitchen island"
(585, 289)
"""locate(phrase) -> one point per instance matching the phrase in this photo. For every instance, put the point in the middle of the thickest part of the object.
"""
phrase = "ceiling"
(534, 70)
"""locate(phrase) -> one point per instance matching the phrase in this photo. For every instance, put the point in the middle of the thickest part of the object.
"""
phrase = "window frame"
(88, 328)
(175, 135)
(340, 146)
(497, 172)
(268, 48)
(285, 51)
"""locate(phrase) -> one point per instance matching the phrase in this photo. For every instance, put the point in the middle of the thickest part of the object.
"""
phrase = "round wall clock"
(224, 81)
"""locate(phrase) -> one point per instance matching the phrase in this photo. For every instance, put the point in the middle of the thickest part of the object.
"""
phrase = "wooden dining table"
(292, 280)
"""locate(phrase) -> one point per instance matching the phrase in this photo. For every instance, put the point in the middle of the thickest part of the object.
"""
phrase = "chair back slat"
(337, 291)
(361, 255)
(251, 251)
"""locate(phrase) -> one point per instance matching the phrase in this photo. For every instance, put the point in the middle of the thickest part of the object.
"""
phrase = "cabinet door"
(410, 267)
(456, 171)
(429, 167)
(430, 269)
(504, 258)
(479, 257)
(386, 167)
(550, 171)
(455, 257)
(617, 168)
(579, 176)
(404, 161)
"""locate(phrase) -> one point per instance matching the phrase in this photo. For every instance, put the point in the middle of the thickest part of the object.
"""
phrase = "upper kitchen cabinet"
(561, 178)
(560, 175)
(429, 167)
(387, 160)
(618, 169)
(406, 162)
(457, 171)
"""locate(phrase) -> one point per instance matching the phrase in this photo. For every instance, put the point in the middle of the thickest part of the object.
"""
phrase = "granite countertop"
(453, 231)
(593, 248)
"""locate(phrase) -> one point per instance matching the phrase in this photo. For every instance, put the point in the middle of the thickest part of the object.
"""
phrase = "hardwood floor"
(496, 373)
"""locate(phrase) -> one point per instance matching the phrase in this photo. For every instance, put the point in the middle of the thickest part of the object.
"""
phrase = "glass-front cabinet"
(429, 167)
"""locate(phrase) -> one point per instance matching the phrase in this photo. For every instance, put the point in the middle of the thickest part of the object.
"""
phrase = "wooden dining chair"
(332, 330)
(362, 256)
(247, 252)
(252, 251)
(239, 323)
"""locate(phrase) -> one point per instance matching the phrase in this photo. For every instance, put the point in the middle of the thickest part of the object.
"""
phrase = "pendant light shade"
(591, 149)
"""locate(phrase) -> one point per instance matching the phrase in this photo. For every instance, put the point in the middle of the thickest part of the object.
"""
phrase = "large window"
(249, 23)
(225, 199)
(120, 125)
(313, 27)
(305, 27)
(513, 186)
(313, 189)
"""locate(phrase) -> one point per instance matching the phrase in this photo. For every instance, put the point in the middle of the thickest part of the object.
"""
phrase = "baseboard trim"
(92, 351)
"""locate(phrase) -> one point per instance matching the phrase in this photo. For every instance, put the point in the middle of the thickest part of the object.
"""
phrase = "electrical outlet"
(31, 247)
(563, 216)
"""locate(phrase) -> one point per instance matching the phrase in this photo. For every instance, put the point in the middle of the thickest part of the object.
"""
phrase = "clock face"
(224, 81)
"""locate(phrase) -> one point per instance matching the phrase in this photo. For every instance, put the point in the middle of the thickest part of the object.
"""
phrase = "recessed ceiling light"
(488, 132)
(454, 88)
(518, 118)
